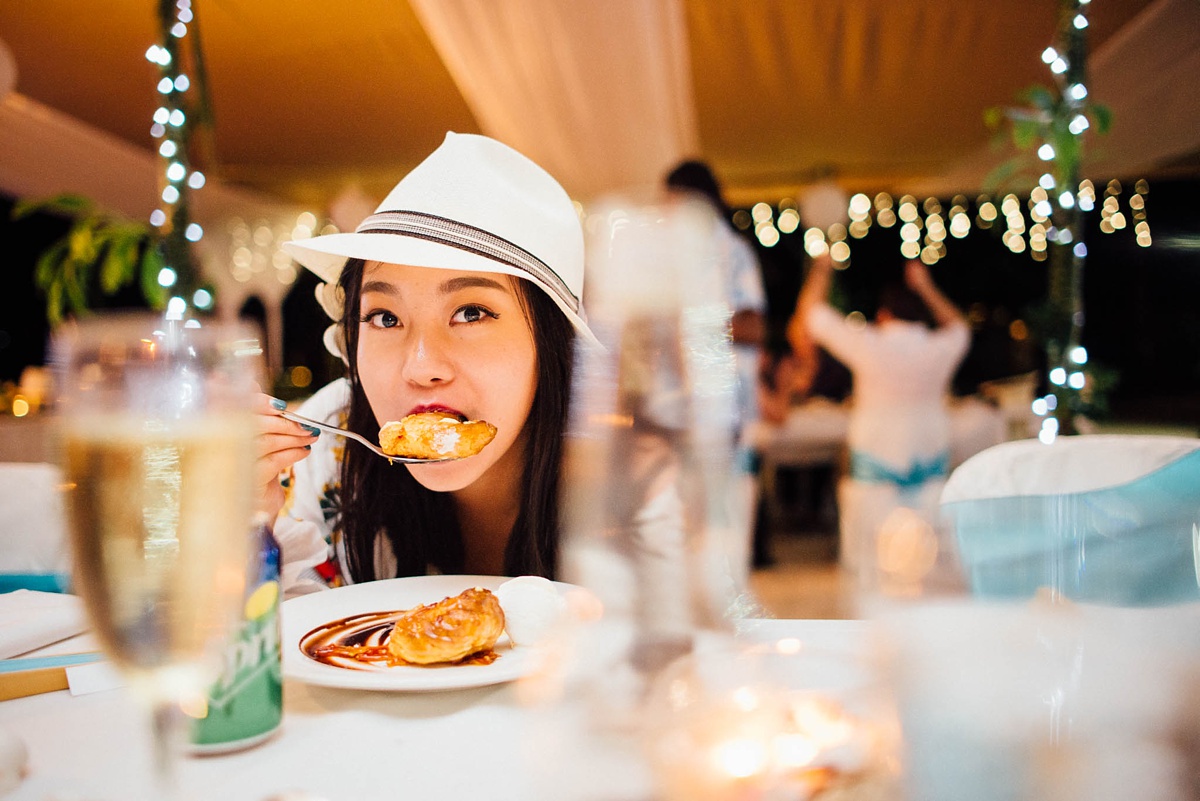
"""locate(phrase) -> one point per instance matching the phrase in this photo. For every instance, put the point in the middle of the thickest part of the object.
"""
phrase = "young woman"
(461, 295)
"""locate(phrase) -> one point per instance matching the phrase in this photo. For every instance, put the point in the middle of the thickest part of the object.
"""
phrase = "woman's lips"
(436, 408)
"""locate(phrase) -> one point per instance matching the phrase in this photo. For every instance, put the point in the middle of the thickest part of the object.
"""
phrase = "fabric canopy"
(615, 113)
(312, 99)
(871, 95)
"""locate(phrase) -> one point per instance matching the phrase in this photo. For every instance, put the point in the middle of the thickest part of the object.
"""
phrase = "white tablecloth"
(970, 680)
(343, 744)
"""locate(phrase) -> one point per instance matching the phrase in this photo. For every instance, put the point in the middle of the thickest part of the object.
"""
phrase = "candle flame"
(740, 757)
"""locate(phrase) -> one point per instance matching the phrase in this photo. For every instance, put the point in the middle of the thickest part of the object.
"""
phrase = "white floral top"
(313, 555)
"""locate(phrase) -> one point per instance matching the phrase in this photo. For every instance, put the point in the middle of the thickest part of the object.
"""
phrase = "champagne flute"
(157, 444)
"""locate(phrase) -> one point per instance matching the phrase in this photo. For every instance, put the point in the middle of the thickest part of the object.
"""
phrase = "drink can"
(245, 705)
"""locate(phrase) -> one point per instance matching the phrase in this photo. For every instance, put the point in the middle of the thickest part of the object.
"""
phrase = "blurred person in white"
(743, 277)
(460, 295)
(746, 296)
(902, 364)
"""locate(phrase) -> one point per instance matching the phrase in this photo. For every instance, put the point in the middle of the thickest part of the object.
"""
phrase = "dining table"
(496, 742)
(990, 701)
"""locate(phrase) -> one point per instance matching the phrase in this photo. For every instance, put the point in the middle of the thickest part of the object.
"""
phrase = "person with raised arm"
(899, 433)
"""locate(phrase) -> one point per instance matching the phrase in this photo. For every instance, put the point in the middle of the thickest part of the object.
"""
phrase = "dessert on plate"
(448, 631)
(462, 629)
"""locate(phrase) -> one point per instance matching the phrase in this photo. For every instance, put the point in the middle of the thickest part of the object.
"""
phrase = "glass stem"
(166, 731)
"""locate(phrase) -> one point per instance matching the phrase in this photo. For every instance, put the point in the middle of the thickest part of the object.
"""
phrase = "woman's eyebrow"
(380, 286)
(468, 281)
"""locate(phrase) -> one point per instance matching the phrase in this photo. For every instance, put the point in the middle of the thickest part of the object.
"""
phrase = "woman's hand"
(919, 280)
(281, 443)
(814, 292)
(917, 276)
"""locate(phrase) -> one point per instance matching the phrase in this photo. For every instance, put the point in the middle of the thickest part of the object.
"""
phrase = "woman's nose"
(426, 361)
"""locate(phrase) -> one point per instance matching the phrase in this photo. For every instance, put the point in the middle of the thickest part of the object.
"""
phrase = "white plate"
(303, 614)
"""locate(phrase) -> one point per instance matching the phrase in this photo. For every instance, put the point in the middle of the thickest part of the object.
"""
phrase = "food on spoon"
(532, 606)
(435, 435)
(450, 630)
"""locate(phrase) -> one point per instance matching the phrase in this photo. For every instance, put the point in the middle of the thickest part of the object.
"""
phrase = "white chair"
(34, 553)
(1111, 519)
(1013, 396)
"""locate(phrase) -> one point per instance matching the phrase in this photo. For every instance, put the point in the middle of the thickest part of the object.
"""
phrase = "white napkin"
(30, 619)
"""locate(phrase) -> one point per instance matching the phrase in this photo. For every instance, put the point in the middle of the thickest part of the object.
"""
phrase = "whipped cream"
(532, 606)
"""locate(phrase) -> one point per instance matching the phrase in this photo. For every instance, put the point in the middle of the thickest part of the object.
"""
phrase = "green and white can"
(245, 705)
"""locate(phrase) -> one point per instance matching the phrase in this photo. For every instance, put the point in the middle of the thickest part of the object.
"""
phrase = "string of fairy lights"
(253, 244)
(171, 130)
(1047, 222)
(924, 226)
(1066, 357)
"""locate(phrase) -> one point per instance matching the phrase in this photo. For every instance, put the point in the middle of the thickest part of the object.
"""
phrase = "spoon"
(341, 432)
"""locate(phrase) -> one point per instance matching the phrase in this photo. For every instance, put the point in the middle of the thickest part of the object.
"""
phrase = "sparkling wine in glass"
(157, 444)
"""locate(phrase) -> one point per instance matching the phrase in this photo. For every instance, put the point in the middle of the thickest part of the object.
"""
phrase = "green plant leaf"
(999, 176)
(123, 229)
(1026, 133)
(49, 265)
(69, 205)
(152, 264)
(1101, 118)
(82, 240)
(1067, 154)
(54, 302)
(99, 255)
(1038, 96)
(74, 283)
(120, 263)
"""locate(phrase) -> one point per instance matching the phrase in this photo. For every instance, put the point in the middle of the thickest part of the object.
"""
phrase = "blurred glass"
(651, 520)
(653, 527)
(157, 439)
(1044, 700)
(907, 554)
(772, 720)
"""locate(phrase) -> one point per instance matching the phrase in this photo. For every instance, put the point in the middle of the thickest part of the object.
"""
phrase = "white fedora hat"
(473, 204)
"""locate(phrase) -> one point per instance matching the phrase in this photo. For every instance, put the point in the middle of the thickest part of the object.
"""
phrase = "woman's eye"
(473, 314)
(381, 319)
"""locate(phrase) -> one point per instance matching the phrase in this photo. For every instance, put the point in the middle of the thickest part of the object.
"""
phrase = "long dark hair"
(905, 304)
(696, 176)
(422, 525)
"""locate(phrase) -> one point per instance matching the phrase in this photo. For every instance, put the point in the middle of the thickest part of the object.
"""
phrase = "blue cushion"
(1130, 545)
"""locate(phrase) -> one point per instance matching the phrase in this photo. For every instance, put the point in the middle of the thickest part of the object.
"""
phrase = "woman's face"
(444, 340)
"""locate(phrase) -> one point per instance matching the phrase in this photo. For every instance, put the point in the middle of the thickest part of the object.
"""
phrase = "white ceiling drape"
(614, 114)
(1146, 74)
